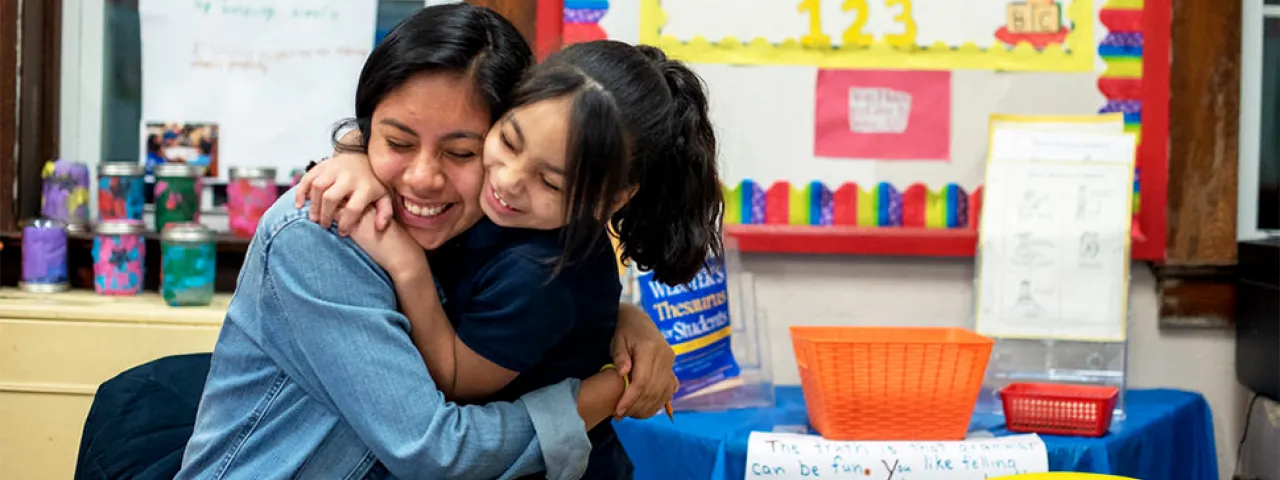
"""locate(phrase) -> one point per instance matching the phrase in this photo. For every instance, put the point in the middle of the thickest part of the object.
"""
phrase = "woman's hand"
(641, 351)
(391, 248)
(341, 188)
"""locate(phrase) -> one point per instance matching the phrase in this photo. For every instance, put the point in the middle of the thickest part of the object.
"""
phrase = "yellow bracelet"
(626, 382)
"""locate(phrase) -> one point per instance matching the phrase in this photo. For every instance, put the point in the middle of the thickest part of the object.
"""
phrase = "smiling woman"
(427, 153)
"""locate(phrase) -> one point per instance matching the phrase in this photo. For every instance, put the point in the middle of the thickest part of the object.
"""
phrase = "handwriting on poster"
(260, 11)
(792, 456)
(854, 34)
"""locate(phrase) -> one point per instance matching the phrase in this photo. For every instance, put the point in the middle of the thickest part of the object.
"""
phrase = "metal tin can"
(187, 265)
(119, 251)
(122, 191)
(65, 193)
(44, 256)
(250, 193)
(177, 194)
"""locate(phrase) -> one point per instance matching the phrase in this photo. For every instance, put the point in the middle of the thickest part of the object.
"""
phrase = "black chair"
(140, 420)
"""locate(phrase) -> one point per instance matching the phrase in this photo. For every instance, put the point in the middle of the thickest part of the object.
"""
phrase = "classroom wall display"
(788, 195)
(582, 20)
(1008, 35)
(274, 75)
(883, 114)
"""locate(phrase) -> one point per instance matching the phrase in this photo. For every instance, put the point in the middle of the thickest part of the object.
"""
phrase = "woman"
(314, 374)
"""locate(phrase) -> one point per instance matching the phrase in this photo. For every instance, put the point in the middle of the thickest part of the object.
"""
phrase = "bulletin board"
(902, 34)
(793, 186)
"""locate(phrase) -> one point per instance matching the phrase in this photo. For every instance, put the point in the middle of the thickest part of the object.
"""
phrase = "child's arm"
(448, 360)
(459, 372)
(341, 188)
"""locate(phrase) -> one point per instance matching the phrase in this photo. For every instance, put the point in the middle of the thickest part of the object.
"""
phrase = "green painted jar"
(188, 265)
(177, 194)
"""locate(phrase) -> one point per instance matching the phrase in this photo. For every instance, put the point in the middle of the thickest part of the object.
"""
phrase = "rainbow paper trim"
(582, 21)
(882, 205)
(1121, 83)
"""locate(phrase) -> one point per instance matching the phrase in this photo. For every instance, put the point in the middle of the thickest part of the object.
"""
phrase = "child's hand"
(341, 189)
(640, 350)
(391, 248)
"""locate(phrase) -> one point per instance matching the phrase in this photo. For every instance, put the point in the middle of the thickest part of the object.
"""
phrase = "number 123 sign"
(1019, 35)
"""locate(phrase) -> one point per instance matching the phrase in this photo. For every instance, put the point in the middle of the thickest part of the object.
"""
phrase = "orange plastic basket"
(890, 383)
(1080, 410)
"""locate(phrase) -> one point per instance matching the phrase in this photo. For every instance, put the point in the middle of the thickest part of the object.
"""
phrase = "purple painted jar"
(65, 193)
(119, 250)
(44, 256)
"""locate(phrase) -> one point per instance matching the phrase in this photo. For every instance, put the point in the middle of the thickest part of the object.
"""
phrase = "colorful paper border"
(1077, 57)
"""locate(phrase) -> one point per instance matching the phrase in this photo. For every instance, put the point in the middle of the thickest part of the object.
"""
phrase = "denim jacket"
(314, 376)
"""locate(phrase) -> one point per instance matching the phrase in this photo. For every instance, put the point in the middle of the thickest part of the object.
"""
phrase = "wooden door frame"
(29, 94)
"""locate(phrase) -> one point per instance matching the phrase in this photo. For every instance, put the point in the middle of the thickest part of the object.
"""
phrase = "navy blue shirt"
(508, 303)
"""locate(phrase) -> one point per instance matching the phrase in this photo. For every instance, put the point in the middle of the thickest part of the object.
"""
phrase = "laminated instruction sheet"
(1054, 237)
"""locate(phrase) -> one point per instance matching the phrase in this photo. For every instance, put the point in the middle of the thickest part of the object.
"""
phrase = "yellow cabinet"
(56, 349)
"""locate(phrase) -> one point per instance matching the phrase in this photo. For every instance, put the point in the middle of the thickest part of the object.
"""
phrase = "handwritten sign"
(274, 75)
(883, 114)
(794, 456)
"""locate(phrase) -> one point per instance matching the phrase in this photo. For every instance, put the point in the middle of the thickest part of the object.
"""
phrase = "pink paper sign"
(883, 114)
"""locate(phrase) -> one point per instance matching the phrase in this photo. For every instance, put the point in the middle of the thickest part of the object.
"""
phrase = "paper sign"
(1054, 236)
(883, 114)
(274, 75)
(793, 456)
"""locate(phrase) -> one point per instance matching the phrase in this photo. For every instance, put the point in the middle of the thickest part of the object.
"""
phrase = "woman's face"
(525, 156)
(425, 142)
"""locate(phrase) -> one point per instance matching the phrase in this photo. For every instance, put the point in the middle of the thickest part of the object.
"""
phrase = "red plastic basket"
(1079, 410)
(890, 383)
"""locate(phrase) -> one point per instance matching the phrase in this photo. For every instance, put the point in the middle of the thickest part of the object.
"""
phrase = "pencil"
(670, 415)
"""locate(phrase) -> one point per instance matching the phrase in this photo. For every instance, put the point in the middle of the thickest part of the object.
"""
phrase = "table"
(1168, 434)
(55, 349)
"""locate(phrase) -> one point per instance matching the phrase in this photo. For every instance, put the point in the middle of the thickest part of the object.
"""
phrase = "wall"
(841, 290)
(771, 133)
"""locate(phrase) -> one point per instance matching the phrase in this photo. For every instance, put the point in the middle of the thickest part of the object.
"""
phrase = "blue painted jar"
(188, 264)
(122, 191)
(119, 251)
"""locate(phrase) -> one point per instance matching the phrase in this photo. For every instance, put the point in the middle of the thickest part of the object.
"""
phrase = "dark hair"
(153, 143)
(458, 38)
(638, 120)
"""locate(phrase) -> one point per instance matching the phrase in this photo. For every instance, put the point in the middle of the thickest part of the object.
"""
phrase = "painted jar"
(65, 193)
(188, 264)
(250, 193)
(177, 194)
(122, 191)
(119, 251)
(44, 256)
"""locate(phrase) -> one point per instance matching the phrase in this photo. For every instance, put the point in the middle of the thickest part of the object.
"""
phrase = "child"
(603, 135)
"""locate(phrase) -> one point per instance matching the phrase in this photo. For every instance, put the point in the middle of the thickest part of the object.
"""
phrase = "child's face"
(524, 162)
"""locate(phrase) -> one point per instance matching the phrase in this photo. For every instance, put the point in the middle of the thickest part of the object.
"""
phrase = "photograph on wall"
(181, 142)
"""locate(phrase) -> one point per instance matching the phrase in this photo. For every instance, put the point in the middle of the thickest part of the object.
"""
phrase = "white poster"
(1054, 236)
(794, 456)
(274, 76)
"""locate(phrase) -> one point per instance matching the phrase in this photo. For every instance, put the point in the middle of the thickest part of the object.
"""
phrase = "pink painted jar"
(250, 192)
(119, 250)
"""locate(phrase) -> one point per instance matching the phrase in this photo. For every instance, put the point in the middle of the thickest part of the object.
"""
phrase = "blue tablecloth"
(1168, 434)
